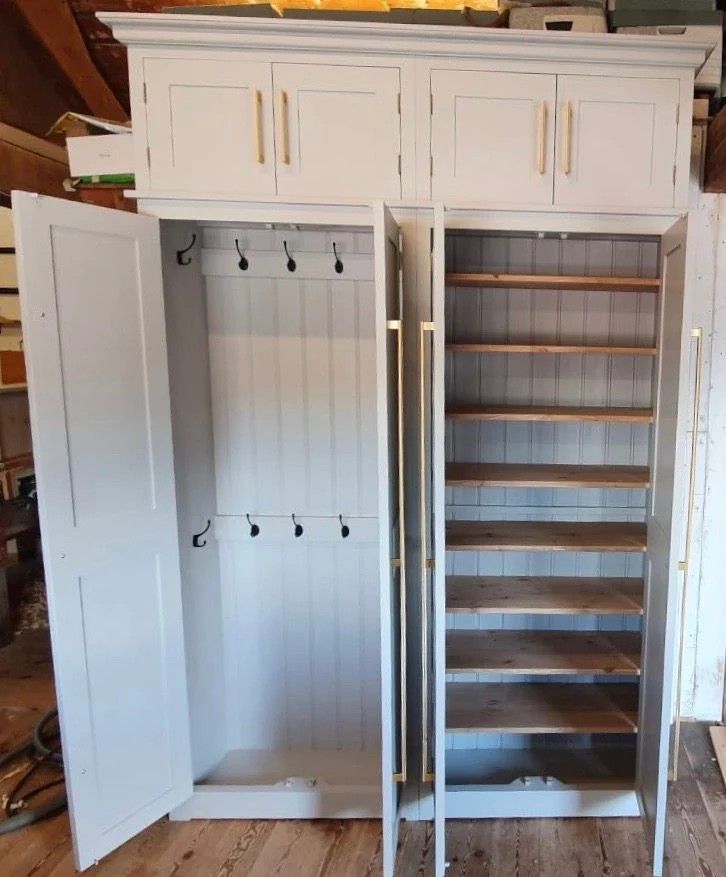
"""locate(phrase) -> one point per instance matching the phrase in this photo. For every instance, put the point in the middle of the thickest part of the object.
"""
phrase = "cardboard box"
(709, 76)
(101, 155)
(582, 19)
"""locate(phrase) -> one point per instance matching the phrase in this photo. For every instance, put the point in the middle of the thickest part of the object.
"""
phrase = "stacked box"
(583, 19)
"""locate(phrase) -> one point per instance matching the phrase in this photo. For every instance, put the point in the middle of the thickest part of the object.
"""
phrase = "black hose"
(44, 750)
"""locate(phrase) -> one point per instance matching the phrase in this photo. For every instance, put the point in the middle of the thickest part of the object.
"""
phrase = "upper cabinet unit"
(334, 112)
(256, 129)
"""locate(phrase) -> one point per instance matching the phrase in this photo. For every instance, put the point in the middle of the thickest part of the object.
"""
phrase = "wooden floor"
(696, 843)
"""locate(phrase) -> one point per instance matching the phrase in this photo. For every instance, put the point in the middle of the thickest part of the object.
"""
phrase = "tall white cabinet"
(244, 397)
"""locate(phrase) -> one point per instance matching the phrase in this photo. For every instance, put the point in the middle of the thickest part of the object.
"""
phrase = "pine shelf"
(548, 413)
(543, 595)
(564, 283)
(545, 536)
(541, 708)
(558, 349)
(543, 652)
(544, 475)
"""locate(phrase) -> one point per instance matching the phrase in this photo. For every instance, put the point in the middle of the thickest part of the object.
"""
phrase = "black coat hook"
(344, 528)
(298, 528)
(254, 528)
(243, 262)
(291, 263)
(338, 263)
(180, 260)
(197, 540)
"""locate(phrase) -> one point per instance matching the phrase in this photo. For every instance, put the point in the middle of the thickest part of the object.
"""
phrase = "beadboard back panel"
(293, 372)
(302, 644)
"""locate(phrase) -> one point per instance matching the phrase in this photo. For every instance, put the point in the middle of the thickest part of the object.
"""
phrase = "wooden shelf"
(541, 708)
(544, 536)
(544, 475)
(543, 652)
(549, 414)
(543, 595)
(559, 349)
(556, 282)
(13, 388)
(5, 323)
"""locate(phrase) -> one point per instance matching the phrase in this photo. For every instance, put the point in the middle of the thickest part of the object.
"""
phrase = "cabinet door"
(665, 516)
(492, 136)
(389, 348)
(93, 321)
(616, 141)
(209, 126)
(338, 131)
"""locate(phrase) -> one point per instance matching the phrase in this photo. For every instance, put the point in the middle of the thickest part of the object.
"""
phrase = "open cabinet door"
(389, 334)
(436, 468)
(93, 321)
(664, 520)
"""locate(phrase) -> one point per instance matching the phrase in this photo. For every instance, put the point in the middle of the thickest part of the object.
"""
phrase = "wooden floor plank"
(547, 708)
(549, 413)
(543, 595)
(539, 475)
(564, 282)
(544, 536)
(542, 652)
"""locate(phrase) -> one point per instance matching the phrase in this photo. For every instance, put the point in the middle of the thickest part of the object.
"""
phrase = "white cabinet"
(221, 513)
(338, 131)
(616, 141)
(492, 136)
(209, 126)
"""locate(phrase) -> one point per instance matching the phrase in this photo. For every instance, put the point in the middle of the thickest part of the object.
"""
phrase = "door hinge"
(678, 114)
(395, 561)
(431, 167)
(399, 165)
(675, 171)
(145, 93)
(431, 103)
(399, 103)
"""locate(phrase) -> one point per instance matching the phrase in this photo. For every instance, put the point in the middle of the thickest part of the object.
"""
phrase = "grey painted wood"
(93, 317)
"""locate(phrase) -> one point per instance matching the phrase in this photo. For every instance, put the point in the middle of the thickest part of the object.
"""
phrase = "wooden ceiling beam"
(52, 22)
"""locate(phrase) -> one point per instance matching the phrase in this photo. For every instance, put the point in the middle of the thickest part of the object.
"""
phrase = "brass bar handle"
(284, 129)
(567, 152)
(426, 563)
(541, 137)
(400, 562)
(257, 111)
(696, 334)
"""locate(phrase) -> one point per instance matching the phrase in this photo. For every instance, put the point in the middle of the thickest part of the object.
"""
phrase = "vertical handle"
(696, 334)
(567, 148)
(426, 563)
(284, 130)
(542, 137)
(257, 111)
(400, 562)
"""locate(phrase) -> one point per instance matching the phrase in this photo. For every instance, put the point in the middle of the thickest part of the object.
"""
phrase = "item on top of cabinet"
(583, 19)
(662, 5)
(98, 157)
(648, 17)
(709, 76)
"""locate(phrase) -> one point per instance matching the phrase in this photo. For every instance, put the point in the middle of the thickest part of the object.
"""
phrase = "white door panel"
(210, 126)
(338, 130)
(665, 514)
(90, 282)
(616, 141)
(492, 136)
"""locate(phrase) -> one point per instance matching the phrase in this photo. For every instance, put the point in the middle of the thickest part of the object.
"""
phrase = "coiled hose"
(43, 748)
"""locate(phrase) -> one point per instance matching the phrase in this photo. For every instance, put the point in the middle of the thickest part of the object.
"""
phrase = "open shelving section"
(550, 347)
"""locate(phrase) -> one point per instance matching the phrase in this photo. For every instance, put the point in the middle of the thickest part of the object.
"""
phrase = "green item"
(118, 179)
(649, 17)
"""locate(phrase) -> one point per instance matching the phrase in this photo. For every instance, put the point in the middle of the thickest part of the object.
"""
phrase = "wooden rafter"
(53, 24)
